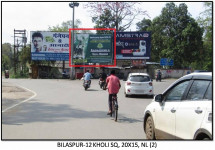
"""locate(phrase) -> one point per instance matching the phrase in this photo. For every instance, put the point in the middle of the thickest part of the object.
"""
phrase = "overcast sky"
(40, 15)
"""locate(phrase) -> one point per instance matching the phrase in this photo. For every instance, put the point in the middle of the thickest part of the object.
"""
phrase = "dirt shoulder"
(13, 94)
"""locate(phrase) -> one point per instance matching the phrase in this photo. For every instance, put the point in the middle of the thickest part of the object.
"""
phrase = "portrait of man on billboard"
(37, 40)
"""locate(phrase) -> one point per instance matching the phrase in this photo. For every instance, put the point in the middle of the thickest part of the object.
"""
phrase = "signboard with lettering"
(133, 45)
(49, 45)
(166, 62)
(93, 48)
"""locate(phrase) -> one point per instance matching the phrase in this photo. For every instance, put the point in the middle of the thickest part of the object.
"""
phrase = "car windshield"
(139, 78)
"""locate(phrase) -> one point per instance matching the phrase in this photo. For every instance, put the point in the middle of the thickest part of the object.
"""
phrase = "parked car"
(138, 84)
(183, 111)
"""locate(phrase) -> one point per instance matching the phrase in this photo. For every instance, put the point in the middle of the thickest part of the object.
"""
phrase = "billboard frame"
(114, 45)
(129, 47)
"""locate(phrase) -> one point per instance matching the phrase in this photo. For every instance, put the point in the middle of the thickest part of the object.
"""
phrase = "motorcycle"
(102, 83)
(65, 75)
(86, 84)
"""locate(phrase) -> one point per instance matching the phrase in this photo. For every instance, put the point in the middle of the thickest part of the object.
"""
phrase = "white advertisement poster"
(49, 45)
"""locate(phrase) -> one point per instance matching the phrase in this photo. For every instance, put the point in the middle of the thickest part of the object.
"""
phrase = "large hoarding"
(49, 45)
(133, 45)
(93, 48)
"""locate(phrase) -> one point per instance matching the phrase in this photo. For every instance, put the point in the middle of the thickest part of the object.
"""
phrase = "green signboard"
(93, 48)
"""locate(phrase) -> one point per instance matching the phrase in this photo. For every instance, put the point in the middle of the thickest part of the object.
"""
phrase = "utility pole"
(14, 53)
(72, 5)
(18, 34)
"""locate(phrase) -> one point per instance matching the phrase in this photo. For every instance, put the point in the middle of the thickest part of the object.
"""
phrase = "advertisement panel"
(133, 45)
(93, 48)
(49, 45)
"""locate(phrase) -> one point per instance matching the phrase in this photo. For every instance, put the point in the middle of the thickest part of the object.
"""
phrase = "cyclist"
(113, 85)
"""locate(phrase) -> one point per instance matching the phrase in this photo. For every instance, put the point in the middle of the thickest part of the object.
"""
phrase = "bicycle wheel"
(116, 110)
(116, 114)
(112, 109)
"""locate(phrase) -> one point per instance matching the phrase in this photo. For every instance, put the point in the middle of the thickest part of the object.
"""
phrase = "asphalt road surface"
(51, 109)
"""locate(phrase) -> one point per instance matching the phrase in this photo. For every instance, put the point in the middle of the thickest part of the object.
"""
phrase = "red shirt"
(113, 84)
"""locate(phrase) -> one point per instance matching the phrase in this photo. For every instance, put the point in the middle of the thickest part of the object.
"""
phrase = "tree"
(25, 60)
(119, 15)
(176, 35)
(106, 20)
(5, 62)
(144, 25)
(205, 21)
(65, 26)
(7, 56)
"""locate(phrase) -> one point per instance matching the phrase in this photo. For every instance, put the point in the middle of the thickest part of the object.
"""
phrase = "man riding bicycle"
(113, 85)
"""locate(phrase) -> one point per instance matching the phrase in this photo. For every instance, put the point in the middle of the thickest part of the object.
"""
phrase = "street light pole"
(72, 5)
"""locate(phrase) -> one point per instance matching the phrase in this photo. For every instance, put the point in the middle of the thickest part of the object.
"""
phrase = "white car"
(138, 84)
(183, 111)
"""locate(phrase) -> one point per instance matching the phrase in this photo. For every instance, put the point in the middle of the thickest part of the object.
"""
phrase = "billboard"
(93, 48)
(49, 45)
(133, 45)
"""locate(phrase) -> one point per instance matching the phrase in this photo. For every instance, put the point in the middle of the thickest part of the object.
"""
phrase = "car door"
(191, 111)
(165, 112)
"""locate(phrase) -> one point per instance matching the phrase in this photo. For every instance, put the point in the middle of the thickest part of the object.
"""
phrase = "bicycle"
(114, 106)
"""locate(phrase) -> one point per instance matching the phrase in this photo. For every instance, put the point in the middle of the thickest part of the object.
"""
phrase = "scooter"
(102, 83)
(86, 84)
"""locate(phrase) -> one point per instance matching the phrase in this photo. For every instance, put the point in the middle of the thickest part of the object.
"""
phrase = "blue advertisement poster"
(49, 46)
(133, 45)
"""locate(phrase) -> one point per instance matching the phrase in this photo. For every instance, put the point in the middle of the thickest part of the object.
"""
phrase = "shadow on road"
(42, 112)
(91, 90)
(128, 120)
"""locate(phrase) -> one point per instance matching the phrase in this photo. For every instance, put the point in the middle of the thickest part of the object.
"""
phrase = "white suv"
(183, 111)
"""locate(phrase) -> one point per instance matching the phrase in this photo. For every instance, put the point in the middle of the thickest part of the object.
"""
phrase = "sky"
(39, 16)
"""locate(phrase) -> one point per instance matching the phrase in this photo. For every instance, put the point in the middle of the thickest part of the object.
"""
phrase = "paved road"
(62, 109)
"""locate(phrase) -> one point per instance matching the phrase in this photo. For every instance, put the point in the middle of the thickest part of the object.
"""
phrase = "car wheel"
(150, 133)
(125, 93)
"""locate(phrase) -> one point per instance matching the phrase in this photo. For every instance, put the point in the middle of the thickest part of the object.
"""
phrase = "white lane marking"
(35, 94)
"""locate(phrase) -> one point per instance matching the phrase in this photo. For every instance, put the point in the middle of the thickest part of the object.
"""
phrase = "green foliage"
(5, 62)
(7, 56)
(205, 21)
(54, 73)
(106, 20)
(64, 27)
(144, 25)
(175, 35)
(20, 73)
(25, 55)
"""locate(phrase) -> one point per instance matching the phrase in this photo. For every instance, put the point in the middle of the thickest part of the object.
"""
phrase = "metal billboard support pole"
(72, 5)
